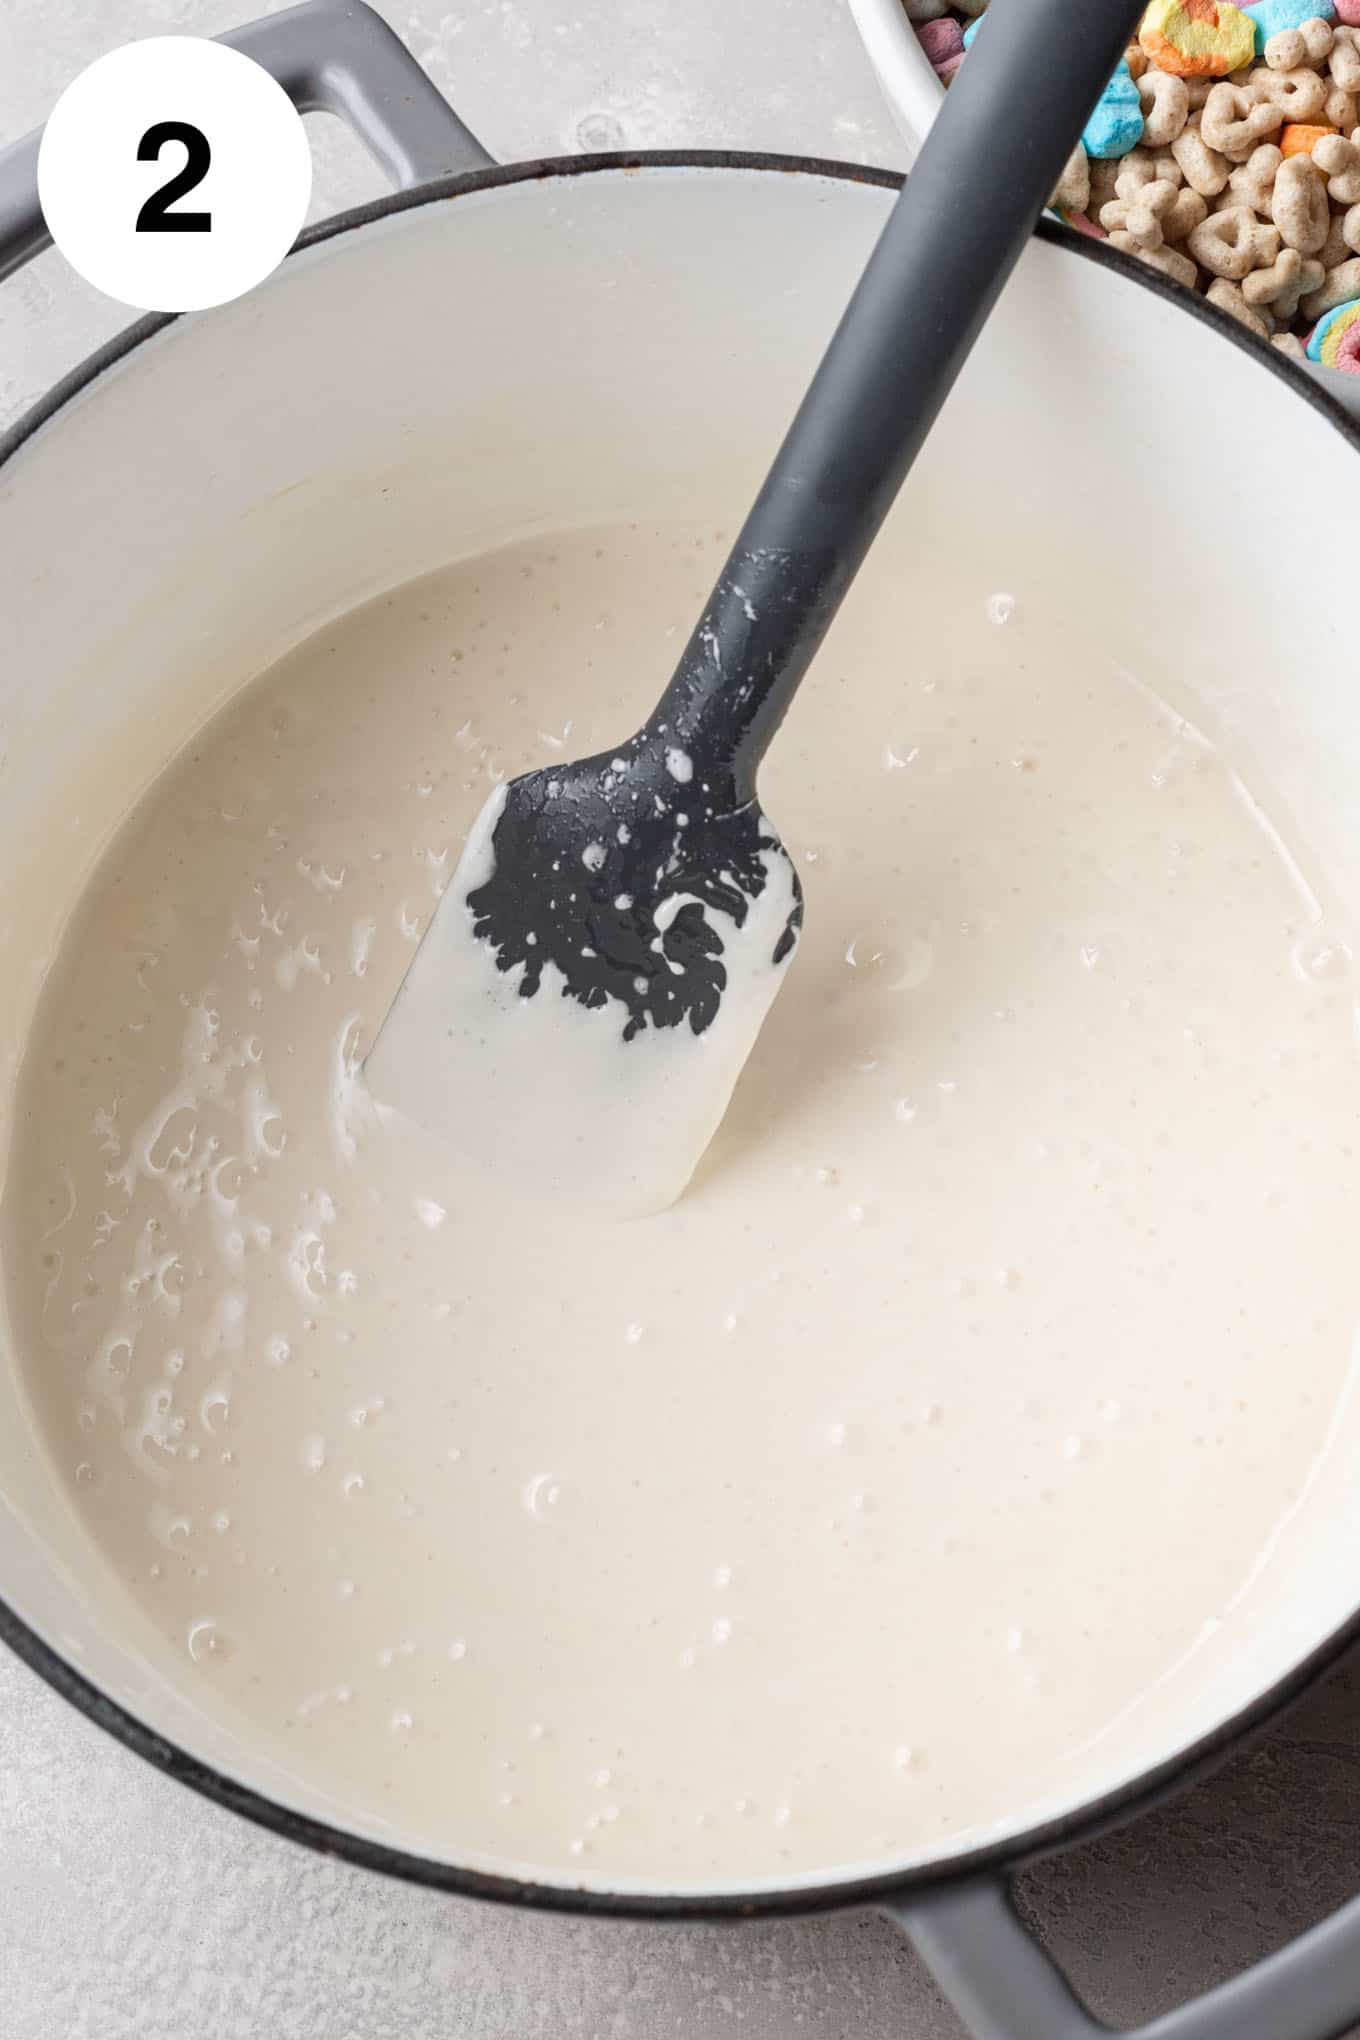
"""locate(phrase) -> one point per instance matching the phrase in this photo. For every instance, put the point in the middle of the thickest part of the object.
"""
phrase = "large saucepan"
(492, 351)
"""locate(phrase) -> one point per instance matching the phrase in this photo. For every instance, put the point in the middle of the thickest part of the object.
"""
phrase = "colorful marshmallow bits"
(1225, 152)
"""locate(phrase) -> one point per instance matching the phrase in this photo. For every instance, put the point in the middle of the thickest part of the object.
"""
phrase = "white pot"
(916, 95)
(516, 351)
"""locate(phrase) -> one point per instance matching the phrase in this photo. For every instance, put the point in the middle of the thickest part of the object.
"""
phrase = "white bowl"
(909, 84)
(915, 95)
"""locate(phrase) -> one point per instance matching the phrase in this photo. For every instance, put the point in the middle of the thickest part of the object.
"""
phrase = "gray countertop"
(130, 1910)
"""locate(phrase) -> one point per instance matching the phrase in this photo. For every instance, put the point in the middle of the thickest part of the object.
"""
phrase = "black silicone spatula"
(617, 928)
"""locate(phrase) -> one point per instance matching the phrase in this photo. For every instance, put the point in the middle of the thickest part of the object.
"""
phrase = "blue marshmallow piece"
(1335, 317)
(1116, 126)
(1272, 17)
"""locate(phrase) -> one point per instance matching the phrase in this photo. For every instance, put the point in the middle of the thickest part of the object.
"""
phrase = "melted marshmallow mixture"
(850, 1507)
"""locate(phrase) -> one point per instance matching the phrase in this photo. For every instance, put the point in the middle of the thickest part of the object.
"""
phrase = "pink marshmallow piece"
(945, 71)
(940, 40)
(1348, 353)
(1348, 11)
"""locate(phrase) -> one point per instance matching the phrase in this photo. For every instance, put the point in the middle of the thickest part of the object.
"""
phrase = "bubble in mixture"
(207, 1644)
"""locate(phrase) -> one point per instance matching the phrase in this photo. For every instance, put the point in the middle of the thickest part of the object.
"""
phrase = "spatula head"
(595, 976)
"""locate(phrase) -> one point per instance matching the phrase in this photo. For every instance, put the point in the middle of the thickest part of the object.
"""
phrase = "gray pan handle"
(1004, 1987)
(330, 56)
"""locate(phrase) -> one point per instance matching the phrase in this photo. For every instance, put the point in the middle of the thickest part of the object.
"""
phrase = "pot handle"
(330, 56)
(1004, 1987)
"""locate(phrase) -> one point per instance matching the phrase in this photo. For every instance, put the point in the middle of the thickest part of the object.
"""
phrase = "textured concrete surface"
(131, 1911)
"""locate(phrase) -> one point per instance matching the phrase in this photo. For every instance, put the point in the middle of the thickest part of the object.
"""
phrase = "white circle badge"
(174, 174)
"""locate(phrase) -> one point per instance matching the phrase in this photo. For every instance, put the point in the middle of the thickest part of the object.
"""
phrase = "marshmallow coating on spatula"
(595, 977)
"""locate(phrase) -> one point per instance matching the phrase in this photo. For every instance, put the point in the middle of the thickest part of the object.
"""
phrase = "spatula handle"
(985, 174)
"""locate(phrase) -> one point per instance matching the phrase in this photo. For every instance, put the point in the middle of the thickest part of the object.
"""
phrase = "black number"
(155, 216)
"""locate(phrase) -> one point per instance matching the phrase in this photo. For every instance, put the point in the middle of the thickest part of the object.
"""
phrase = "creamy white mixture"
(846, 1509)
